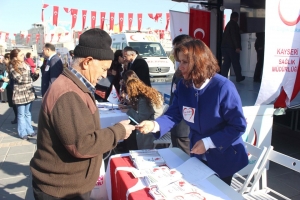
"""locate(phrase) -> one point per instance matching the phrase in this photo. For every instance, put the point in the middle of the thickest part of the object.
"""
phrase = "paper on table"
(210, 191)
(194, 170)
(172, 160)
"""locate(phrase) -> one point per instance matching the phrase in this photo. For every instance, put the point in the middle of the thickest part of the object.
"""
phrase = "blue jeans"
(24, 119)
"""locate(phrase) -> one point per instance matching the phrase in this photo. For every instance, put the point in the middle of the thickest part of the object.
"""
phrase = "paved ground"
(15, 155)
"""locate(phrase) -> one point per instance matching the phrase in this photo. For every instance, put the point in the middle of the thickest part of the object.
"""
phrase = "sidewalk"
(15, 155)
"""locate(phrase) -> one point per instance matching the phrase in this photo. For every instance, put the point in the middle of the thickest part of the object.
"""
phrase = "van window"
(124, 45)
(148, 49)
(116, 46)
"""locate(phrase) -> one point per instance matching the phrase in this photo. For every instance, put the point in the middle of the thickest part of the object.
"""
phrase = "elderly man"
(137, 64)
(70, 141)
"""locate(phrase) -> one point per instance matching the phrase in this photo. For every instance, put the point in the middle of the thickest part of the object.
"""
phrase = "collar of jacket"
(66, 72)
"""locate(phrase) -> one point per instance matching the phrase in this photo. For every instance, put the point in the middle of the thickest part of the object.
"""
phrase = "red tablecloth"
(121, 181)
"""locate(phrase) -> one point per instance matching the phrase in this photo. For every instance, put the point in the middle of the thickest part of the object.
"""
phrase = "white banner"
(282, 46)
(259, 130)
(179, 23)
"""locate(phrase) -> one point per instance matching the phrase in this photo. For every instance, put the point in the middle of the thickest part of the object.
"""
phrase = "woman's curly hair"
(202, 63)
(136, 88)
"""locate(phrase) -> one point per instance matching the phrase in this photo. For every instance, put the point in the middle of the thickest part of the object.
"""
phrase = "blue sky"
(19, 15)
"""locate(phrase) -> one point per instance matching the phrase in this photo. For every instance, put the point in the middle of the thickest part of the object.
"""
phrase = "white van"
(161, 68)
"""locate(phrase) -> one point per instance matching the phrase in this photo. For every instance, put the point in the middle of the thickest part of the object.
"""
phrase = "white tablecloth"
(111, 117)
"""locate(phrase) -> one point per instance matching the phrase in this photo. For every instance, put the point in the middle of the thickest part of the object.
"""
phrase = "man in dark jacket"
(180, 132)
(53, 68)
(231, 48)
(137, 64)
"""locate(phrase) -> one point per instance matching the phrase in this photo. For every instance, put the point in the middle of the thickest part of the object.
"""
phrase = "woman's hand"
(37, 71)
(145, 126)
(1, 90)
(124, 110)
(198, 148)
(5, 79)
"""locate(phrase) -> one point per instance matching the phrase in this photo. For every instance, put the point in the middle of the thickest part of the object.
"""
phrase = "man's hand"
(100, 94)
(198, 148)
(145, 127)
(128, 127)
(1, 90)
(238, 50)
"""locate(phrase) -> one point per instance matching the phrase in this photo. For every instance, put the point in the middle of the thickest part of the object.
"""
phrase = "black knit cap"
(95, 43)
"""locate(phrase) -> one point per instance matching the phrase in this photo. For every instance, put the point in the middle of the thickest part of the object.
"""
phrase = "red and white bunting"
(55, 15)
(44, 6)
(102, 20)
(52, 35)
(6, 36)
(111, 20)
(74, 17)
(37, 37)
(93, 19)
(79, 33)
(121, 21)
(151, 15)
(67, 10)
(83, 18)
(28, 38)
(140, 20)
(168, 21)
(58, 37)
(157, 16)
(130, 19)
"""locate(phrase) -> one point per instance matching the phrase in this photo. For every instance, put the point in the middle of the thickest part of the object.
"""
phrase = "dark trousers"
(227, 179)
(130, 143)
(259, 65)
(181, 142)
(40, 195)
(231, 57)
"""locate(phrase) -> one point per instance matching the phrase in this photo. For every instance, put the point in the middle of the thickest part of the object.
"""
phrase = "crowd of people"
(205, 114)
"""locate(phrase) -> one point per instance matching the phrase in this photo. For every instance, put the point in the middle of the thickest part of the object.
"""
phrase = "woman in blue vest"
(211, 107)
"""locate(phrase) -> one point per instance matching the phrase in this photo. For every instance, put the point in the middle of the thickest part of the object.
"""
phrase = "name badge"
(173, 87)
(188, 113)
(47, 68)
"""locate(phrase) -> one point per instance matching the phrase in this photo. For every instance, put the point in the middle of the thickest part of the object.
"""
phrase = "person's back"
(231, 36)
(231, 48)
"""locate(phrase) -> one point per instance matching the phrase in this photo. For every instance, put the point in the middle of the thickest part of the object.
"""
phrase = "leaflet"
(194, 170)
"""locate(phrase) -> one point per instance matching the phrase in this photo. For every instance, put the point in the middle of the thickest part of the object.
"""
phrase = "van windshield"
(148, 49)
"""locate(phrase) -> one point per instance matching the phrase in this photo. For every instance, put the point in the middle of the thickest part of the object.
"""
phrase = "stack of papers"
(158, 176)
(106, 105)
(180, 189)
(147, 158)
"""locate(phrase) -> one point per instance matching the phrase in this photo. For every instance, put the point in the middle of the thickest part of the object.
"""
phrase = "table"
(110, 117)
(124, 186)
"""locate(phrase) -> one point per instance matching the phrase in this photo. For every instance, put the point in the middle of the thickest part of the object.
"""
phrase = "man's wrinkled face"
(97, 69)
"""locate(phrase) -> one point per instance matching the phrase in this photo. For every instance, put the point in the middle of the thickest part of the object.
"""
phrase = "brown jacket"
(70, 141)
(23, 91)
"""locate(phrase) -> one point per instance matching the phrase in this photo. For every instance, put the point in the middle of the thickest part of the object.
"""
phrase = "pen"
(133, 120)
